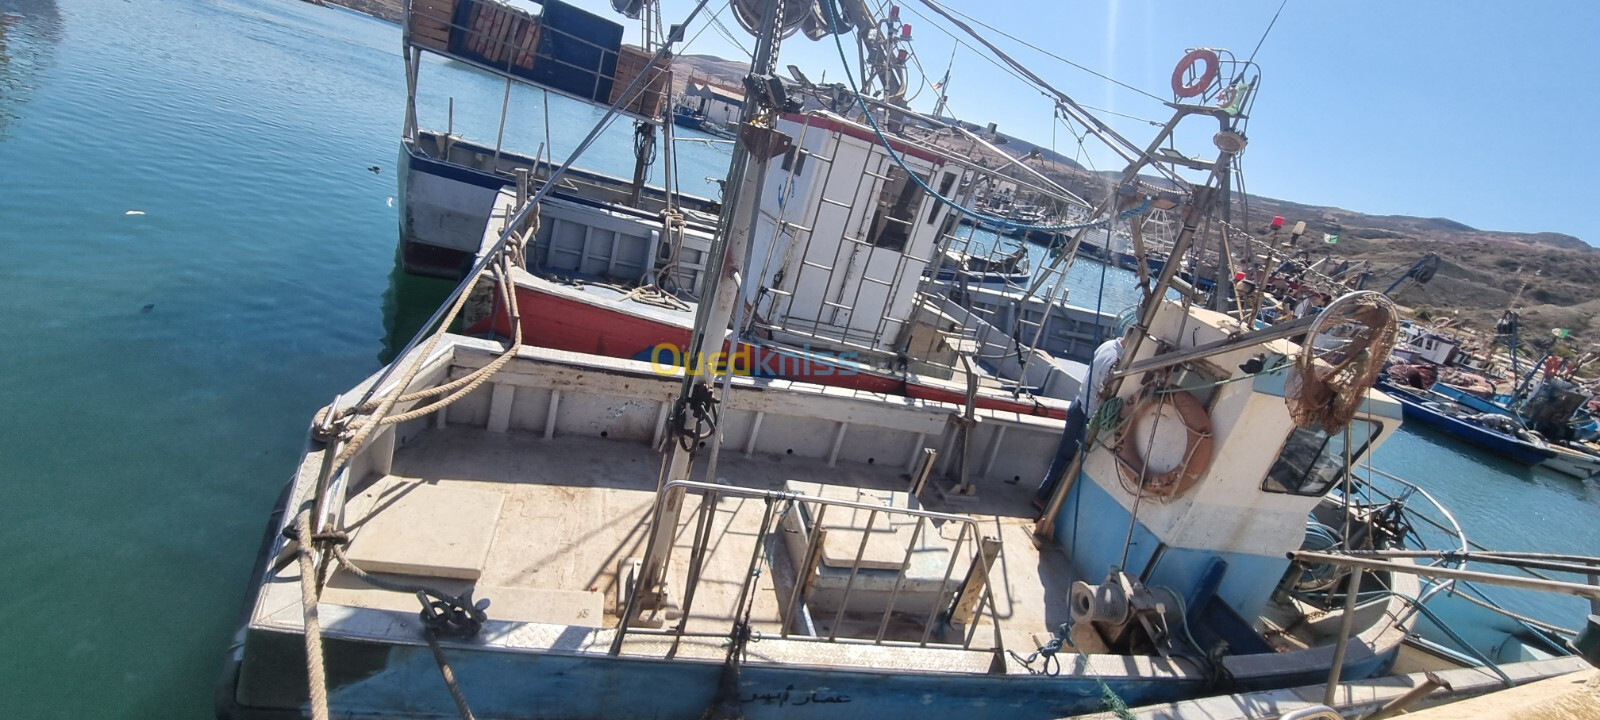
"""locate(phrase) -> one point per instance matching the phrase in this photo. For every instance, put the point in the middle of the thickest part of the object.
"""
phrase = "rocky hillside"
(1481, 270)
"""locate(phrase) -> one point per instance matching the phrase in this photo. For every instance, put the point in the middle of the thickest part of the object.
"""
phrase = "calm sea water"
(160, 367)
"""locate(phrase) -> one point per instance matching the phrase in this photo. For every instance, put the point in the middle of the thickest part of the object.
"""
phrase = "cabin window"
(794, 159)
(945, 184)
(1312, 460)
(897, 209)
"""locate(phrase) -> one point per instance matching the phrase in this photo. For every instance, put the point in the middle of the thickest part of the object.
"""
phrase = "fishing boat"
(1568, 458)
(494, 529)
(823, 547)
(823, 306)
(845, 299)
(965, 268)
(1572, 462)
(1443, 414)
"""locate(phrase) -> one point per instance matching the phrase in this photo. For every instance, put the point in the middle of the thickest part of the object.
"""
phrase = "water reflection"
(29, 30)
(408, 303)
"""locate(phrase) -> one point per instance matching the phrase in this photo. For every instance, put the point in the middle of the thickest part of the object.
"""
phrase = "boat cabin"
(845, 234)
(1228, 478)
(714, 103)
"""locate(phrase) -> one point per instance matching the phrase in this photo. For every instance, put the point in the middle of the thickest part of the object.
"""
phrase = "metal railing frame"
(711, 494)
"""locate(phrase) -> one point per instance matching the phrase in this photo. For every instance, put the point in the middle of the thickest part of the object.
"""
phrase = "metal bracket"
(764, 142)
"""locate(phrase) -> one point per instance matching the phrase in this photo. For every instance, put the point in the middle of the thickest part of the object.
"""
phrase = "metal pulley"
(1129, 615)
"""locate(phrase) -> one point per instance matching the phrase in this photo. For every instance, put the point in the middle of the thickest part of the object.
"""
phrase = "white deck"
(552, 471)
(572, 511)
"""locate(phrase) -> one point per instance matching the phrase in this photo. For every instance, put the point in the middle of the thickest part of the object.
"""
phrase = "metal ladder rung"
(794, 226)
(833, 304)
(830, 201)
(880, 176)
(875, 281)
(817, 265)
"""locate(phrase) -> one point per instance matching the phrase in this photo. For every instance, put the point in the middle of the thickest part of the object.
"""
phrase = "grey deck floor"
(575, 509)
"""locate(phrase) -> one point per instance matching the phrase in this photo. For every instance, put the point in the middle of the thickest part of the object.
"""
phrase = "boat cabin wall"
(844, 234)
(1248, 508)
(450, 191)
(557, 394)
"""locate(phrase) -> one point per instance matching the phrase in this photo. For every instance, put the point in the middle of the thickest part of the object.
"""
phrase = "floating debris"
(147, 308)
(375, 169)
(134, 212)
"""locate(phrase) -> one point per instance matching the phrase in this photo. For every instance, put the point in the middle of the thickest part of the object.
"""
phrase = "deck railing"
(963, 602)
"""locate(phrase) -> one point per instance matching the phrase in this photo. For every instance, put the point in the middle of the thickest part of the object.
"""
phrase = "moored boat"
(1571, 461)
(1436, 412)
(681, 539)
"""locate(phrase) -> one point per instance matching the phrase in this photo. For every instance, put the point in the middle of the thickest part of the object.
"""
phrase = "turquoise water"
(160, 368)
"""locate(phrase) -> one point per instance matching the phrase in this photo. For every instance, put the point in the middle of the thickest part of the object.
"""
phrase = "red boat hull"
(550, 320)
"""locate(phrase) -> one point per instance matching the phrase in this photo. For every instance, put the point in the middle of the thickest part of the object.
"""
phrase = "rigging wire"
(962, 43)
(729, 36)
(703, 28)
(1047, 53)
(888, 147)
(1268, 31)
(1114, 140)
(1152, 123)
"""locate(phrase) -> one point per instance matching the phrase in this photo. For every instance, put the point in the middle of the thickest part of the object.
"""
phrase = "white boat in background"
(971, 269)
(1572, 462)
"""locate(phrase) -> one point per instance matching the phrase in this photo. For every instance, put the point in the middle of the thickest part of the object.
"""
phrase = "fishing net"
(1340, 358)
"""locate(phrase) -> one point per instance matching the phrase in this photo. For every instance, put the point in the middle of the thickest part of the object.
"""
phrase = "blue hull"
(1475, 403)
(1508, 447)
(384, 681)
(987, 279)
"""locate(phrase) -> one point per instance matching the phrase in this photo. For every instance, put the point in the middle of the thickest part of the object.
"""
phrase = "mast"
(697, 398)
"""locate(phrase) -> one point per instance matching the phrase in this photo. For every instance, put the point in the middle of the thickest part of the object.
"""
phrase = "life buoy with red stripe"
(1136, 475)
(1203, 81)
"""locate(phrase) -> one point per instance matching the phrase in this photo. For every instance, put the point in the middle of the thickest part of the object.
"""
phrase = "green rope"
(1108, 417)
(1114, 702)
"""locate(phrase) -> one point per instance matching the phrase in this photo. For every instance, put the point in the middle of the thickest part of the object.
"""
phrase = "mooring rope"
(441, 613)
(310, 590)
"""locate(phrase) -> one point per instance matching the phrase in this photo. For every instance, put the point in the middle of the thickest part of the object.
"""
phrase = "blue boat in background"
(1473, 402)
(1431, 410)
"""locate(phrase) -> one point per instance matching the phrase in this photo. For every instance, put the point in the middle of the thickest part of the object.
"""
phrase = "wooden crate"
(652, 100)
(430, 23)
(501, 36)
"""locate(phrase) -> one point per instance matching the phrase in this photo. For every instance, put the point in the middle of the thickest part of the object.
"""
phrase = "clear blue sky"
(1473, 110)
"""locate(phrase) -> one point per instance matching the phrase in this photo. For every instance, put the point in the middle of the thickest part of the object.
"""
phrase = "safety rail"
(1454, 528)
(1467, 550)
(969, 602)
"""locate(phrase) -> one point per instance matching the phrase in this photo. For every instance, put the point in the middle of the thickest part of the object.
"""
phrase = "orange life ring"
(1201, 83)
(1196, 452)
